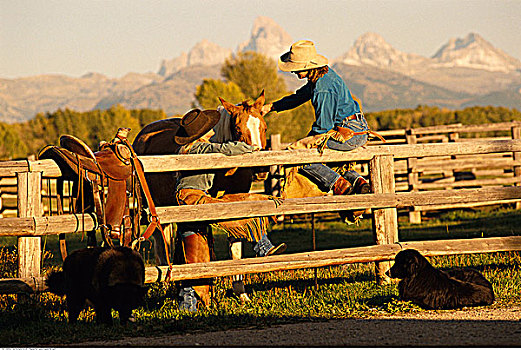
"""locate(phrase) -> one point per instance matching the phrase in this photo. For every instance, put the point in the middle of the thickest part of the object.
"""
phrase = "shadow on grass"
(302, 285)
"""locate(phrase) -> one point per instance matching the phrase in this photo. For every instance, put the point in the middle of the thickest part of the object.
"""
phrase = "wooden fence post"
(272, 186)
(412, 176)
(385, 221)
(29, 203)
(516, 135)
(453, 137)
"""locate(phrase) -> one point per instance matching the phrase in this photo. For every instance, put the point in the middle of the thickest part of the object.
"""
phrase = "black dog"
(431, 288)
(107, 278)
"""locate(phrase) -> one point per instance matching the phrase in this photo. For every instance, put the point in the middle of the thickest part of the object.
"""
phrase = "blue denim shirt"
(330, 98)
(203, 179)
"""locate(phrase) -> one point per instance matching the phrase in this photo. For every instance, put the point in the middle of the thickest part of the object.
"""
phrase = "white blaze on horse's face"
(248, 125)
(254, 126)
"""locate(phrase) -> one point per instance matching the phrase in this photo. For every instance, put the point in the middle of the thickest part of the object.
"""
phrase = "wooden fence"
(411, 174)
(449, 170)
(30, 225)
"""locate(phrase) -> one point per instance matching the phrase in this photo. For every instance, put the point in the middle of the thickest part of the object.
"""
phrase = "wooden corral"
(30, 225)
(448, 171)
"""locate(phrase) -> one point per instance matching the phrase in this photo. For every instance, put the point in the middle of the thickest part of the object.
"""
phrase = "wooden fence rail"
(374, 253)
(31, 225)
(71, 223)
(163, 163)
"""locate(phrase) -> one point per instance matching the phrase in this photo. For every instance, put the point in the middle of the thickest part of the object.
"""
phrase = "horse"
(243, 122)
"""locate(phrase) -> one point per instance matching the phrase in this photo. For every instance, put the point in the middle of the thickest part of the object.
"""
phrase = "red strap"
(154, 219)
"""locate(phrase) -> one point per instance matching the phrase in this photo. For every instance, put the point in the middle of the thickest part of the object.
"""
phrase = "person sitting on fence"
(194, 239)
(339, 119)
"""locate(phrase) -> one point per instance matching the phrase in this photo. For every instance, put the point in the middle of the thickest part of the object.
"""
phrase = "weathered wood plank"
(438, 129)
(385, 221)
(335, 203)
(26, 285)
(29, 204)
(9, 168)
(458, 205)
(220, 211)
(218, 161)
(267, 158)
(468, 183)
(333, 257)
(300, 260)
(47, 225)
(424, 165)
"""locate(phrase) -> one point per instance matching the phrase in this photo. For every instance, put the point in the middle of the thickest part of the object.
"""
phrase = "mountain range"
(464, 72)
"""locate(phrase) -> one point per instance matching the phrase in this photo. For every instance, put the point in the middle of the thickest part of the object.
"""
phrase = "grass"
(277, 297)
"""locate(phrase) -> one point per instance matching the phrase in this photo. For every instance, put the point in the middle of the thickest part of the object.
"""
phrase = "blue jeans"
(324, 176)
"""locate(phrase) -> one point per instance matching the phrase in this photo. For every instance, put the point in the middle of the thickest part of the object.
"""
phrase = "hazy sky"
(74, 37)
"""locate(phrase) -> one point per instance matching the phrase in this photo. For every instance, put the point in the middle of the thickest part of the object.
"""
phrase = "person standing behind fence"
(338, 116)
(194, 239)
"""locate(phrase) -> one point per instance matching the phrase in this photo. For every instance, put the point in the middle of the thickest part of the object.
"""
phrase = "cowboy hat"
(195, 124)
(302, 55)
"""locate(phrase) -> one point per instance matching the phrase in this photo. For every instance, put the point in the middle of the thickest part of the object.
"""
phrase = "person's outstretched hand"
(266, 109)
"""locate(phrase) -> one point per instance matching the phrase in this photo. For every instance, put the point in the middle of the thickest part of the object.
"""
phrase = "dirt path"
(468, 328)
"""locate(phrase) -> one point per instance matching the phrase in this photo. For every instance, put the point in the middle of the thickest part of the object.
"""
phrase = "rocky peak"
(169, 67)
(268, 38)
(207, 53)
(371, 49)
(474, 52)
(203, 53)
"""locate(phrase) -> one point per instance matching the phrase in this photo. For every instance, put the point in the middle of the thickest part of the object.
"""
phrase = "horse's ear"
(231, 108)
(260, 101)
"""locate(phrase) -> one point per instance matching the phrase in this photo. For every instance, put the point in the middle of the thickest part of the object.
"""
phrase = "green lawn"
(277, 297)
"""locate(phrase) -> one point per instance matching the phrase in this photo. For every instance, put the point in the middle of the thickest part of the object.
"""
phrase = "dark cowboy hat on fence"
(195, 124)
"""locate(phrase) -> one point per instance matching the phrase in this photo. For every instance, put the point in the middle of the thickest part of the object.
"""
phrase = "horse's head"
(248, 125)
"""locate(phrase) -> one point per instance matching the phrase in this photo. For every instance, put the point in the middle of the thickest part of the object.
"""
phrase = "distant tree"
(430, 116)
(22, 139)
(39, 132)
(147, 116)
(246, 75)
(11, 144)
(104, 124)
(293, 124)
(208, 93)
(254, 72)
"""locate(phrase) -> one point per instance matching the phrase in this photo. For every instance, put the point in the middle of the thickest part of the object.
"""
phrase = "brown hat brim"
(286, 65)
(211, 119)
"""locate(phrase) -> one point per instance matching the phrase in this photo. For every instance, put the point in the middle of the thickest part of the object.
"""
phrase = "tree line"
(243, 77)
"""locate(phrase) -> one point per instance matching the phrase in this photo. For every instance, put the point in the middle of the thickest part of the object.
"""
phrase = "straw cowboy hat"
(195, 124)
(301, 56)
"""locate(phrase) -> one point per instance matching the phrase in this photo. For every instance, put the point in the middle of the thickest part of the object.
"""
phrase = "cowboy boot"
(361, 186)
(196, 250)
(342, 187)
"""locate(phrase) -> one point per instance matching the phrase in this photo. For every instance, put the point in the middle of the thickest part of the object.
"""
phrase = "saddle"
(103, 182)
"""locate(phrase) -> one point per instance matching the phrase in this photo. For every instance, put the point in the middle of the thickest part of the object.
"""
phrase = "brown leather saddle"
(103, 182)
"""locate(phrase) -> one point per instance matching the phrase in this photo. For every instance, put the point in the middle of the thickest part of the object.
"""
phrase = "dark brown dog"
(431, 288)
(107, 278)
